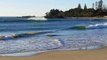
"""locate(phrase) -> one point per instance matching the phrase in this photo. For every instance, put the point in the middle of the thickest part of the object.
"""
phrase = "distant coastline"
(97, 12)
(86, 17)
(26, 17)
(79, 18)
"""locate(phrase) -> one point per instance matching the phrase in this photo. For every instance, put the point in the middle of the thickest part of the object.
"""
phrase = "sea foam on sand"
(38, 45)
(27, 47)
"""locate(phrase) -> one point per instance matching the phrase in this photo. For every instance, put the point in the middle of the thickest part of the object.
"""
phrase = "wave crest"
(103, 24)
(92, 26)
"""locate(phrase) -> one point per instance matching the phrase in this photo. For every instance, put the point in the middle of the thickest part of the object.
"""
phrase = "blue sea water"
(71, 39)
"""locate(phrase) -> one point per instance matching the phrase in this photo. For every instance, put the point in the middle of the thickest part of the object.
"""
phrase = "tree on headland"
(100, 5)
(85, 7)
(54, 13)
(79, 6)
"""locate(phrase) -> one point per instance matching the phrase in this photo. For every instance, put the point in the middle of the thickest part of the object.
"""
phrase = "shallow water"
(67, 39)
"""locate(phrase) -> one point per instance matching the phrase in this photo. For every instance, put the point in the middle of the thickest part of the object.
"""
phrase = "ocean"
(20, 35)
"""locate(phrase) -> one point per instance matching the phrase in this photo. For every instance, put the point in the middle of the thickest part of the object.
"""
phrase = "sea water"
(18, 35)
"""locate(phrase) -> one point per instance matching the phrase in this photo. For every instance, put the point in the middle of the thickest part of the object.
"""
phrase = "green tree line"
(76, 12)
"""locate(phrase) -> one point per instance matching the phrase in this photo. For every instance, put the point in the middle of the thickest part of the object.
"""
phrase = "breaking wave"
(92, 26)
(37, 19)
(98, 26)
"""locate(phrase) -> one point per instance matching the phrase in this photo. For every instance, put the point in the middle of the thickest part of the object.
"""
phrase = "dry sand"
(99, 54)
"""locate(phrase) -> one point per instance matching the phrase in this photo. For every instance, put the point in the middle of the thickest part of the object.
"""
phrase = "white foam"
(100, 24)
(82, 44)
(37, 18)
(22, 54)
(43, 44)
(17, 46)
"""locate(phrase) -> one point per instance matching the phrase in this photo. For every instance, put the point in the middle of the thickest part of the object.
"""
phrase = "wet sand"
(99, 54)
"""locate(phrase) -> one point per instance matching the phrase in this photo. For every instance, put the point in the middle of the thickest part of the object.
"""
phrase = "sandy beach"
(95, 18)
(99, 54)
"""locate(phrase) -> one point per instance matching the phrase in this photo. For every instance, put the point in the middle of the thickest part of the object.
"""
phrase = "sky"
(38, 7)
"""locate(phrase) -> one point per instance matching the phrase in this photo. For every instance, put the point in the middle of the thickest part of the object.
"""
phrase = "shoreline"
(89, 17)
(98, 54)
(79, 18)
(32, 53)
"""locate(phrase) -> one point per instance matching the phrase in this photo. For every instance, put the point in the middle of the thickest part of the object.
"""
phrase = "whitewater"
(27, 37)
